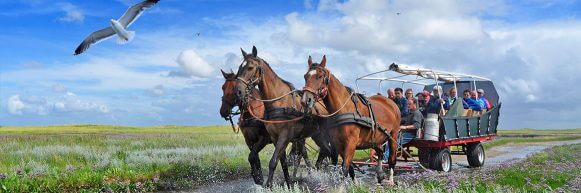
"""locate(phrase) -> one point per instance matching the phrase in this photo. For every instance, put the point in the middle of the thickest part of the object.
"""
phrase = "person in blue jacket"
(401, 102)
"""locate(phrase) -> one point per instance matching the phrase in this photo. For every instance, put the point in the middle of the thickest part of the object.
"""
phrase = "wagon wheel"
(426, 156)
(475, 155)
(442, 160)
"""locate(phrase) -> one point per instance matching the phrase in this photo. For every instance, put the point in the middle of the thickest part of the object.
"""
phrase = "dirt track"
(494, 156)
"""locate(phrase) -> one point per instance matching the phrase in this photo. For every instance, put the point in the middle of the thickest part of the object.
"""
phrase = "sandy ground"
(494, 156)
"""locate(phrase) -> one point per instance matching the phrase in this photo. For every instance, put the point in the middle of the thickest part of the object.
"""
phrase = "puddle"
(494, 156)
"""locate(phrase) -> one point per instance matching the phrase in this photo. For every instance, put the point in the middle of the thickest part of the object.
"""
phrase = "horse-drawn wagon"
(464, 129)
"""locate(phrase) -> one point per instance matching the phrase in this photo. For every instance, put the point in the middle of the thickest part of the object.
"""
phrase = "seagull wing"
(95, 37)
(135, 11)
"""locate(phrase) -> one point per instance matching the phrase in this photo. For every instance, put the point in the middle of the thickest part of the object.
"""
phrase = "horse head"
(316, 83)
(249, 74)
(229, 99)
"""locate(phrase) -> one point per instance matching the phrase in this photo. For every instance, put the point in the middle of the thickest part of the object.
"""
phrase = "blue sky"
(530, 49)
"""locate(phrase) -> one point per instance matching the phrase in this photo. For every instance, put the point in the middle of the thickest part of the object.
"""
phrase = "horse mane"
(289, 84)
(349, 89)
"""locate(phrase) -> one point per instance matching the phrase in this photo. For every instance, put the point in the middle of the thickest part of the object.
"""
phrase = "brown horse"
(254, 131)
(320, 84)
(256, 72)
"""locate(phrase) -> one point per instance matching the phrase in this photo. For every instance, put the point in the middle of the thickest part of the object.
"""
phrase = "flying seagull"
(118, 27)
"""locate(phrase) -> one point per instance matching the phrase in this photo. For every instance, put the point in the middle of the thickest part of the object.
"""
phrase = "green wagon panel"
(473, 126)
(462, 128)
(484, 124)
(494, 114)
(450, 128)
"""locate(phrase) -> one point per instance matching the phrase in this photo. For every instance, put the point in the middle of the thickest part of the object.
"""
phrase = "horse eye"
(250, 68)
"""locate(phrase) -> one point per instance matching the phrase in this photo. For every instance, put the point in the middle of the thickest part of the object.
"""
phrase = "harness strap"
(284, 113)
(350, 118)
(250, 122)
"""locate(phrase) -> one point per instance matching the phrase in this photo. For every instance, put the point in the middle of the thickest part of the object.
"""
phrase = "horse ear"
(310, 61)
(224, 74)
(254, 51)
(243, 53)
(324, 61)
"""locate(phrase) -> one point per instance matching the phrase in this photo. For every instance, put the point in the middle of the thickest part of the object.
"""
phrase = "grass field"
(101, 158)
(94, 158)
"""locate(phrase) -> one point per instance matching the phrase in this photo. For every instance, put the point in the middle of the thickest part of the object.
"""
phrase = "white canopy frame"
(419, 76)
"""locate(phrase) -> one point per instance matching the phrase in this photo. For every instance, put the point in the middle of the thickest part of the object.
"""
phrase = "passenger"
(465, 99)
(452, 96)
(409, 126)
(474, 102)
(421, 101)
(401, 102)
(409, 94)
(436, 102)
(390, 93)
(426, 95)
(483, 98)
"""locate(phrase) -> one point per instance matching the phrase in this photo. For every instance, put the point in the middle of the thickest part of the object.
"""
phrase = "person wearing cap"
(452, 96)
(483, 98)
(401, 102)
(435, 103)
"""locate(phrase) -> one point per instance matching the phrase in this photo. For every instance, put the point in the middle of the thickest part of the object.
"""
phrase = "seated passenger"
(421, 101)
(474, 102)
(465, 99)
(390, 93)
(409, 94)
(435, 103)
(483, 98)
(452, 96)
(401, 102)
(409, 126)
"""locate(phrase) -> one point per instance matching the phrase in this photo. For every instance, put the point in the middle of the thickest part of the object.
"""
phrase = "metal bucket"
(431, 127)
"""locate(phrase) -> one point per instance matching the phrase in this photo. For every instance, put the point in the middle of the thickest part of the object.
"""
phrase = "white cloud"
(73, 13)
(68, 103)
(15, 105)
(18, 105)
(71, 103)
(191, 64)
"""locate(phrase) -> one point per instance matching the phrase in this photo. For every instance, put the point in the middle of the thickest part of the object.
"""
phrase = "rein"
(249, 84)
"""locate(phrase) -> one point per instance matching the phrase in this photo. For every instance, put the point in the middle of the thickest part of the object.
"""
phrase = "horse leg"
(305, 154)
(379, 169)
(392, 157)
(254, 160)
(279, 150)
(349, 152)
(294, 158)
(284, 166)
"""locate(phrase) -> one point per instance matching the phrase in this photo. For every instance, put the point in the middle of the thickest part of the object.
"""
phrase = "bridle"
(232, 113)
(255, 79)
(322, 92)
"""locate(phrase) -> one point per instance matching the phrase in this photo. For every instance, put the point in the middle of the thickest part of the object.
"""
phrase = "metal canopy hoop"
(421, 76)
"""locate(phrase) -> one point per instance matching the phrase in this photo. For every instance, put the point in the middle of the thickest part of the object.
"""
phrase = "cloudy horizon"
(170, 73)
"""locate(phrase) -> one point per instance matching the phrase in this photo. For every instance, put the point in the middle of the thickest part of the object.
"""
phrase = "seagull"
(118, 27)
